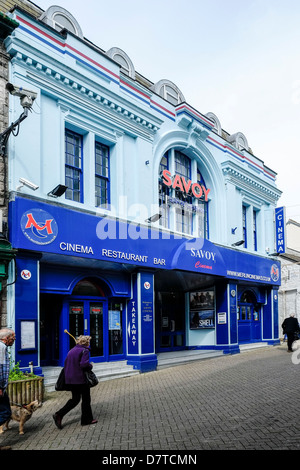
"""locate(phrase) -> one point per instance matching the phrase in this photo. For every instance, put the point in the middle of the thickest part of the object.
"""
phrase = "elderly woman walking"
(76, 362)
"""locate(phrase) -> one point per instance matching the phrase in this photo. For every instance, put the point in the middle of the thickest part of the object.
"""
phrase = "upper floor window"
(255, 230)
(181, 205)
(245, 226)
(73, 166)
(60, 18)
(164, 192)
(123, 60)
(202, 211)
(102, 185)
(183, 216)
(169, 91)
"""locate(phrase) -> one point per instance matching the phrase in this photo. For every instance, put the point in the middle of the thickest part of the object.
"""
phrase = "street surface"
(248, 401)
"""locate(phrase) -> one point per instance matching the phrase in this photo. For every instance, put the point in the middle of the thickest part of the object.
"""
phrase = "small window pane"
(101, 175)
(73, 165)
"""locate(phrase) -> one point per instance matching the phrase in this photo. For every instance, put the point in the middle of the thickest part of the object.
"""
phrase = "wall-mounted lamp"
(58, 191)
(27, 183)
(153, 218)
(240, 242)
(233, 230)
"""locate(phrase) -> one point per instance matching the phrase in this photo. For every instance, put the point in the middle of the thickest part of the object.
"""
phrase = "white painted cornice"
(251, 185)
(96, 97)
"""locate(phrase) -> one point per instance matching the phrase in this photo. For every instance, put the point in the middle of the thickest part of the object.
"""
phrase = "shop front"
(136, 291)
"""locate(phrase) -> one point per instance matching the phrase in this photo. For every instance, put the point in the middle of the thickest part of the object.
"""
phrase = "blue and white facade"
(142, 250)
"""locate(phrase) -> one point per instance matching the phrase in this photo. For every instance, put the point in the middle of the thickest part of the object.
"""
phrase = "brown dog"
(21, 414)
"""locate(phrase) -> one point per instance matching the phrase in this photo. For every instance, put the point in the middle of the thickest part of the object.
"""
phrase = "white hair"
(6, 332)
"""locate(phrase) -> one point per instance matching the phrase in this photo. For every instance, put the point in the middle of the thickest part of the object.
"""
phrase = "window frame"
(101, 177)
(183, 218)
(255, 230)
(69, 166)
(193, 219)
(244, 220)
(163, 193)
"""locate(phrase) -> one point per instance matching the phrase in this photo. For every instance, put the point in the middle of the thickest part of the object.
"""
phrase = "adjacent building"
(289, 292)
(136, 218)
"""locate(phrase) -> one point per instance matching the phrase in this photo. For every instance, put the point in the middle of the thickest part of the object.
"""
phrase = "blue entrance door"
(249, 323)
(100, 319)
(89, 317)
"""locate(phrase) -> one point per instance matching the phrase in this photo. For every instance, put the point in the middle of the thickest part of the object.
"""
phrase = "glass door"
(87, 317)
(96, 329)
(100, 320)
(170, 312)
(249, 322)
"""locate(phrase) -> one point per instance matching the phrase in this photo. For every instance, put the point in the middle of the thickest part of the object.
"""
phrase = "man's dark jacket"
(290, 325)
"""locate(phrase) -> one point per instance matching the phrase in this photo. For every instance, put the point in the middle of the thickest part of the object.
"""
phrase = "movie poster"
(202, 309)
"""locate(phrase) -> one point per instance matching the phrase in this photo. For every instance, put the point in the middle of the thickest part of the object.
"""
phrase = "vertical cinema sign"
(280, 229)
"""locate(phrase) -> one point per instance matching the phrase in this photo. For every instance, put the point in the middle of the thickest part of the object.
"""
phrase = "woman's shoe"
(94, 421)
(57, 421)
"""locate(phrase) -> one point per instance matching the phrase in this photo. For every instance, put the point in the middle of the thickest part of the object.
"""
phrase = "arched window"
(119, 56)
(59, 19)
(248, 297)
(239, 141)
(88, 287)
(217, 125)
(182, 190)
(169, 91)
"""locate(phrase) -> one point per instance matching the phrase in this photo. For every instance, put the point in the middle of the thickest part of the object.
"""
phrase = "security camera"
(27, 97)
(27, 183)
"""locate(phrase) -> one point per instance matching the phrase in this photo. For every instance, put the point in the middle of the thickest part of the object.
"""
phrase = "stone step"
(183, 357)
(104, 371)
(248, 346)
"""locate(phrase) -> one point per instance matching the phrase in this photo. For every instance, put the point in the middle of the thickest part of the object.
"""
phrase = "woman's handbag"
(91, 378)
(61, 383)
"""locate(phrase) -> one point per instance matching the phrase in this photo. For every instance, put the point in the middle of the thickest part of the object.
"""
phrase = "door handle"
(172, 325)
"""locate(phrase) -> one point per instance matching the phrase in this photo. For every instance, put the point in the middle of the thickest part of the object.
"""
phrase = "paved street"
(242, 402)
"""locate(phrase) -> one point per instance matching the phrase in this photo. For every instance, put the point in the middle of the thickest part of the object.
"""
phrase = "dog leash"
(17, 404)
(66, 331)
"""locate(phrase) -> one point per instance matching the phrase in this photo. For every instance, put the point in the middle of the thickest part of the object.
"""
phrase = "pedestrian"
(76, 362)
(290, 326)
(7, 338)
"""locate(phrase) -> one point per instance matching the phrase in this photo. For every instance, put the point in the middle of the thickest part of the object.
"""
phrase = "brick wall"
(7, 5)
(3, 126)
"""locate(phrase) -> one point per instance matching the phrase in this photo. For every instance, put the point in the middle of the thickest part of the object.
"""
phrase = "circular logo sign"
(147, 285)
(39, 226)
(25, 274)
(275, 272)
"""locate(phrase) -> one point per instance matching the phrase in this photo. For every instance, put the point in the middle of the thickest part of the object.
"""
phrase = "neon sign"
(179, 182)
(280, 229)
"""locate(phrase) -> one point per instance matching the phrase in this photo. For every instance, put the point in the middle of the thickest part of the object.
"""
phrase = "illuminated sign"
(280, 229)
(53, 231)
(179, 182)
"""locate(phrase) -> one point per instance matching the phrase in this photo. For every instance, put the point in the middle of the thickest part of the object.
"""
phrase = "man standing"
(290, 326)
(7, 338)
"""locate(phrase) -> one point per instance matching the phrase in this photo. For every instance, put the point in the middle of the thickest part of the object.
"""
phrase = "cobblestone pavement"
(248, 401)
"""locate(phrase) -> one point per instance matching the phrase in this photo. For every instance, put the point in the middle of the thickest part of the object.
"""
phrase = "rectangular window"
(164, 192)
(184, 216)
(183, 221)
(182, 165)
(73, 166)
(102, 184)
(254, 231)
(202, 210)
(245, 226)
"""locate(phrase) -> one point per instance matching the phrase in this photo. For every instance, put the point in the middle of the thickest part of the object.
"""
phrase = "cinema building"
(136, 218)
